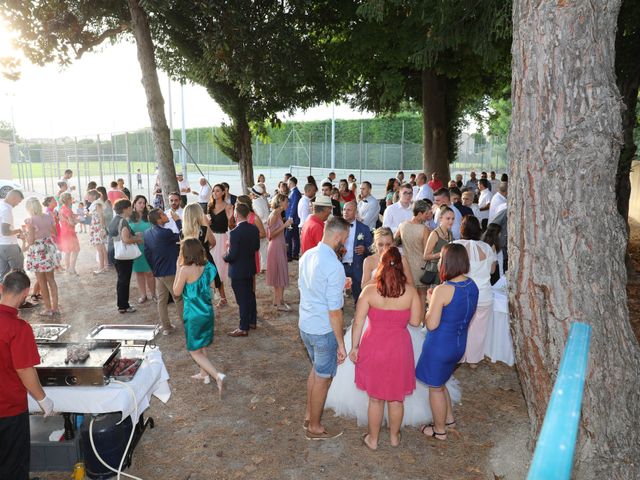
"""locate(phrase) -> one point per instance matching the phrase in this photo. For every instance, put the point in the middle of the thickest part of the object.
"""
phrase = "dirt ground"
(255, 431)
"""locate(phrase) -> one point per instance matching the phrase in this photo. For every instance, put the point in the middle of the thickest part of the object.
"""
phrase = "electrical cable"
(133, 431)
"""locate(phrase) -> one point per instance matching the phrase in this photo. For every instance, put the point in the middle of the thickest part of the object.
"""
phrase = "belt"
(347, 263)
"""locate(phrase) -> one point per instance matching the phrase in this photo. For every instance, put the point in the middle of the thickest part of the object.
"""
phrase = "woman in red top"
(68, 240)
(346, 195)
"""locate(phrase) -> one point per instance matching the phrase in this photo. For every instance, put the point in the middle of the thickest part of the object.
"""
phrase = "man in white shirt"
(424, 190)
(498, 202)
(368, 206)
(183, 185)
(330, 179)
(400, 177)
(11, 257)
(204, 193)
(467, 201)
(66, 178)
(442, 197)
(261, 209)
(484, 201)
(304, 205)
(174, 211)
(400, 211)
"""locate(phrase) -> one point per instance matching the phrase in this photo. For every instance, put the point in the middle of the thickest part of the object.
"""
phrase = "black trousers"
(123, 268)
(15, 447)
(246, 300)
(292, 236)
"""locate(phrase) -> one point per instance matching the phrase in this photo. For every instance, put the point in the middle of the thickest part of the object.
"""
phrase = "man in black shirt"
(326, 191)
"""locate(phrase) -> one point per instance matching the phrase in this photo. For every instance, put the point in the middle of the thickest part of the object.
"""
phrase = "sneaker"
(127, 310)
(28, 305)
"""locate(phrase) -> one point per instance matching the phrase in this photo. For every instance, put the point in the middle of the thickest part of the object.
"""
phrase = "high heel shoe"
(220, 383)
(206, 379)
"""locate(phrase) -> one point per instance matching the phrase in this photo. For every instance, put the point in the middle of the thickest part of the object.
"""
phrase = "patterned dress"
(42, 255)
(97, 231)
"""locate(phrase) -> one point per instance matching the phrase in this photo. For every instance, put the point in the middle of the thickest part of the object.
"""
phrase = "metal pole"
(100, 161)
(126, 151)
(333, 136)
(75, 149)
(183, 153)
(402, 148)
(360, 152)
(309, 153)
(87, 171)
(33, 189)
(57, 157)
(170, 111)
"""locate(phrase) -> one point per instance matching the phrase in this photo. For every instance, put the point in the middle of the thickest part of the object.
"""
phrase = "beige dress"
(411, 235)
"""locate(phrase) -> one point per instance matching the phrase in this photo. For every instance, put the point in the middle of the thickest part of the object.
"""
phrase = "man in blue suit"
(357, 248)
(161, 249)
(292, 234)
(244, 242)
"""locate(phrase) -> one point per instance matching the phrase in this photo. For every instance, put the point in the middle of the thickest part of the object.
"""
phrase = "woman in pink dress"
(68, 240)
(384, 355)
(277, 266)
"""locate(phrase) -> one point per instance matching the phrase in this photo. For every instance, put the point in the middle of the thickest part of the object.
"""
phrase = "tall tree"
(256, 60)
(444, 56)
(566, 244)
(62, 31)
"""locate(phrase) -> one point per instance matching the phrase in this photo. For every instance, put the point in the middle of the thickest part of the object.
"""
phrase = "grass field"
(92, 169)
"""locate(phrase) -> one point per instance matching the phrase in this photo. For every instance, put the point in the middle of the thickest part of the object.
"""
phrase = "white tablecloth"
(151, 379)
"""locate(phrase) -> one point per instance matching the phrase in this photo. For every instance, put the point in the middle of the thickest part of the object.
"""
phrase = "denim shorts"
(323, 351)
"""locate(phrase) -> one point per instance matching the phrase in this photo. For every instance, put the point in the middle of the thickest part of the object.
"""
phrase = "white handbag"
(124, 251)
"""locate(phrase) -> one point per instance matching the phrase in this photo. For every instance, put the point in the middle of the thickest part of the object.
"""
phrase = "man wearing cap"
(261, 209)
(204, 193)
(183, 185)
(314, 226)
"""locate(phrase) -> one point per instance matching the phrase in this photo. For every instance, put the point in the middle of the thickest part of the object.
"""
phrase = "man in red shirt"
(313, 227)
(18, 357)
(435, 183)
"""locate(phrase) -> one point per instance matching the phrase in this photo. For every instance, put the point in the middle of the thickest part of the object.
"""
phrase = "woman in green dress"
(194, 276)
(139, 223)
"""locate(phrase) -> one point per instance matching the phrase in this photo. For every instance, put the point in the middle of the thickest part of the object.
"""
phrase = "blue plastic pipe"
(553, 457)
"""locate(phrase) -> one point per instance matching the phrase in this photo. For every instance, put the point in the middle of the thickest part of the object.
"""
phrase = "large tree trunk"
(244, 150)
(434, 125)
(566, 238)
(155, 101)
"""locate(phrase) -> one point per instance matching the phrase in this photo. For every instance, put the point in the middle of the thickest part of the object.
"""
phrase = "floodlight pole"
(333, 136)
(183, 153)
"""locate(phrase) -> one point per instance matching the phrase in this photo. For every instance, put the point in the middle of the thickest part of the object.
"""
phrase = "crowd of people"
(422, 265)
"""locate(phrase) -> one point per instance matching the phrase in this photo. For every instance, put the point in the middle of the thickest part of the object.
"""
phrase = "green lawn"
(109, 169)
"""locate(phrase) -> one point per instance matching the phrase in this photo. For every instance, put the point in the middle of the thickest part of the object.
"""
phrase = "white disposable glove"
(46, 404)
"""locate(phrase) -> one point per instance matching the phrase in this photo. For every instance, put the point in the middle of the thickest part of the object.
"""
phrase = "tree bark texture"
(566, 239)
(245, 154)
(434, 125)
(155, 101)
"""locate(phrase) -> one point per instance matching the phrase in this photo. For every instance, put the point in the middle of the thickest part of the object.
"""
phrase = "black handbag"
(430, 276)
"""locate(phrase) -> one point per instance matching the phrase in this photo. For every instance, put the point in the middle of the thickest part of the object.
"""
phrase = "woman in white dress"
(482, 262)
(344, 397)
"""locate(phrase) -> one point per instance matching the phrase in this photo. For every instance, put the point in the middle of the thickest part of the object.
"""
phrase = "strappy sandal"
(222, 303)
(451, 425)
(434, 434)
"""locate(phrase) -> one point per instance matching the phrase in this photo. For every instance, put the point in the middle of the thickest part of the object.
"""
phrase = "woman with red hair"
(384, 355)
(452, 304)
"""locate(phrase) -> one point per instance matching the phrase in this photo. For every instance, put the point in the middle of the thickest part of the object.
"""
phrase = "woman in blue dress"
(194, 276)
(452, 305)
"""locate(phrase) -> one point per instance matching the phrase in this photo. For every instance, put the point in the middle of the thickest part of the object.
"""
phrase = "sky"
(102, 93)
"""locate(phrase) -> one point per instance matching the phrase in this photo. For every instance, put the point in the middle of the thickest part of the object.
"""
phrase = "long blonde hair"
(33, 206)
(192, 220)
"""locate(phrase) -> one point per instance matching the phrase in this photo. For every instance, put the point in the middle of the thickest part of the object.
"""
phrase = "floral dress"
(42, 255)
(97, 231)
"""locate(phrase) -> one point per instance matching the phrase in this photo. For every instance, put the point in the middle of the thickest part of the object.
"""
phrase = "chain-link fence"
(39, 164)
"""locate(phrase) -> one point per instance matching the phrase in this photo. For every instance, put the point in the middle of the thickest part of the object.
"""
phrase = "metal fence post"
(75, 148)
(99, 151)
(126, 151)
(402, 148)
